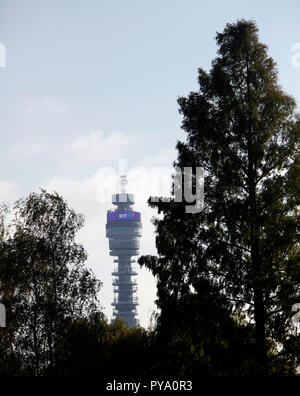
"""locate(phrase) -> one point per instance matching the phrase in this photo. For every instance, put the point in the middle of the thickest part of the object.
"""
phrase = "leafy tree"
(9, 362)
(242, 251)
(43, 279)
(93, 347)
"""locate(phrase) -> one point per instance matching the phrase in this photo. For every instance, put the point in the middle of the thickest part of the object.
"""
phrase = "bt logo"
(126, 215)
(122, 216)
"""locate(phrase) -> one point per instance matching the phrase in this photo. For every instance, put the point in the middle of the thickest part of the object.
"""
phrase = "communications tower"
(124, 229)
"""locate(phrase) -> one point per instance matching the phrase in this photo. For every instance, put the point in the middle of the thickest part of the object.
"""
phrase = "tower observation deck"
(124, 229)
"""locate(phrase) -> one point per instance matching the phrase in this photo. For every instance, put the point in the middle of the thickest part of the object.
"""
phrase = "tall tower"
(124, 229)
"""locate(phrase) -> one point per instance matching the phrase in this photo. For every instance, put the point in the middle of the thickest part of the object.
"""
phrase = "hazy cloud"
(95, 146)
(8, 192)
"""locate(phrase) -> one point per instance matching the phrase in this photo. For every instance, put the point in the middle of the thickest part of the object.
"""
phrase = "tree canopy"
(240, 255)
(43, 280)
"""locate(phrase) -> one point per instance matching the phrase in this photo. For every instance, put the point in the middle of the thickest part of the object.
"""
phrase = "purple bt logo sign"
(123, 215)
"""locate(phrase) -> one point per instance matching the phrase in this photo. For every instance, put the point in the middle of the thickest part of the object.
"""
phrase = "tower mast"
(123, 182)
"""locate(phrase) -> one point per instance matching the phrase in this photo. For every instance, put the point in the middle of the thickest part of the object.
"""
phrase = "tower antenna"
(123, 175)
(123, 183)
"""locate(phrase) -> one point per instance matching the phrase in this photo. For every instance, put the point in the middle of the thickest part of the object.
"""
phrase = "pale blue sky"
(77, 67)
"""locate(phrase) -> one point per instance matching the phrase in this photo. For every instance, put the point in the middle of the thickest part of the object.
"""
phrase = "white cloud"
(8, 192)
(46, 108)
(163, 158)
(28, 148)
(97, 147)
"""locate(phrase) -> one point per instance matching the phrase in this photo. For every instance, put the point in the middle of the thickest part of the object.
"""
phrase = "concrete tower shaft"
(124, 229)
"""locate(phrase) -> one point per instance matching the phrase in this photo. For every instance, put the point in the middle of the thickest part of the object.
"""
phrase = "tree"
(93, 347)
(244, 131)
(9, 364)
(43, 279)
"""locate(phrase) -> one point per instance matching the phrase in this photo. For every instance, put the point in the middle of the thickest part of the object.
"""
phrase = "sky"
(89, 82)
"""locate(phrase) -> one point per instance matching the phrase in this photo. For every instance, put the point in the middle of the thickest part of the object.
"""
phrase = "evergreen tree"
(243, 248)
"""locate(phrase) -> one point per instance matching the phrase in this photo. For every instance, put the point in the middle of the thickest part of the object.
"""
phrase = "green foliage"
(92, 347)
(242, 250)
(43, 279)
